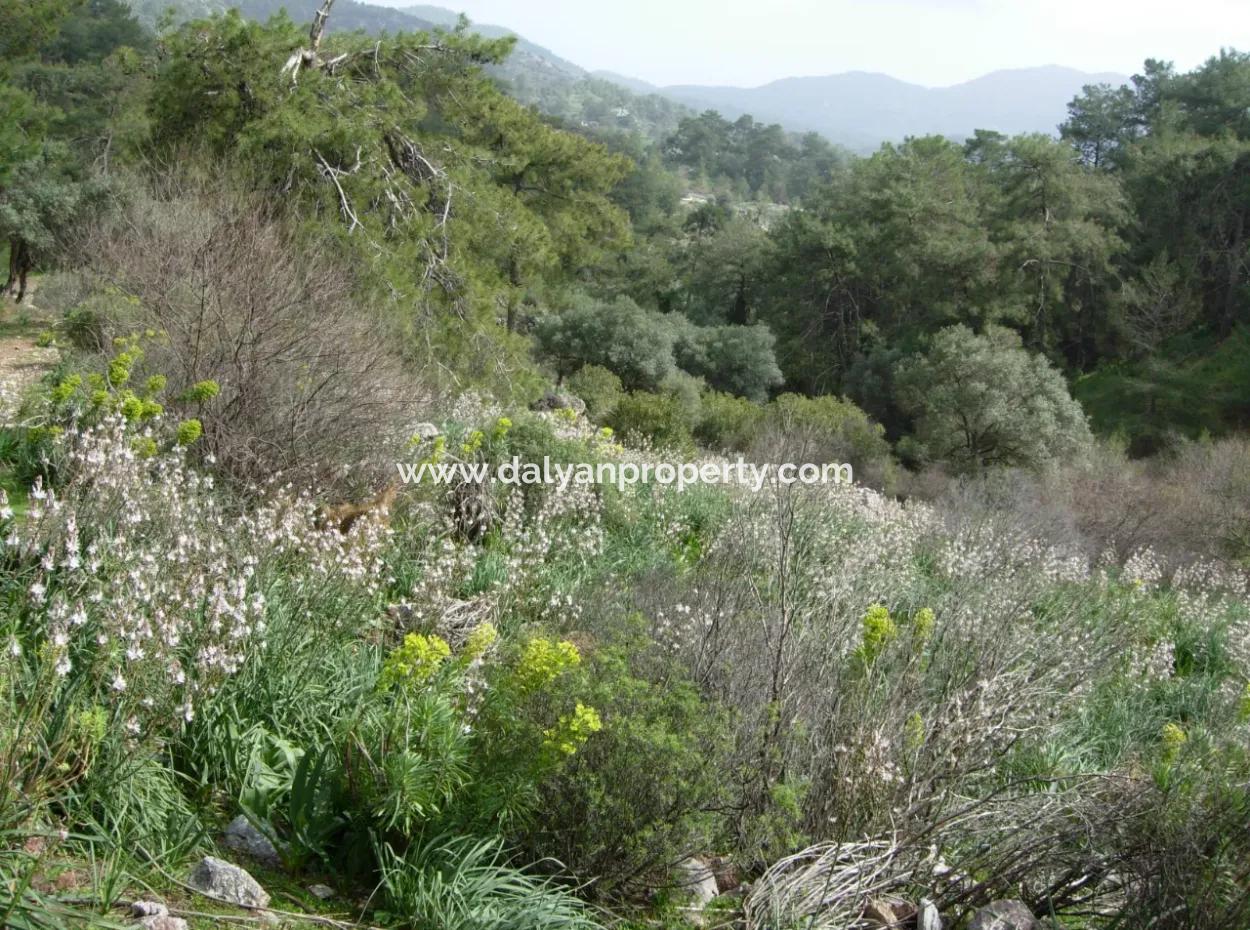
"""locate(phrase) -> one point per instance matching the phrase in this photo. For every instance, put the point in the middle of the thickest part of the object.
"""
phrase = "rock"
(243, 837)
(222, 881)
(163, 922)
(889, 914)
(696, 878)
(880, 913)
(1005, 915)
(927, 916)
(556, 400)
(324, 892)
(148, 909)
(424, 431)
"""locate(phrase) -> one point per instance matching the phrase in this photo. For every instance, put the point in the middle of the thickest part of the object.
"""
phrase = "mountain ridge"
(862, 109)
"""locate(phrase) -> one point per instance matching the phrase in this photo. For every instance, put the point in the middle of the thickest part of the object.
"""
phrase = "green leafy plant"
(462, 883)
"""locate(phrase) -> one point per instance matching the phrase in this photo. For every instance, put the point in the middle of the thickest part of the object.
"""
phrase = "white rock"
(163, 922)
(696, 878)
(927, 917)
(1004, 915)
(148, 909)
(222, 881)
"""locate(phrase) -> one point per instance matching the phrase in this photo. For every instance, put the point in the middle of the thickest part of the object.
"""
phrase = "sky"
(929, 42)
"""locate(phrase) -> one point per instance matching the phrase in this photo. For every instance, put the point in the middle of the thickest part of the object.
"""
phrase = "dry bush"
(942, 754)
(1190, 505)
(310, 387)
(1205, 490)
(778, 442)
(1093, 848)
(1104, 501)
(777, 618)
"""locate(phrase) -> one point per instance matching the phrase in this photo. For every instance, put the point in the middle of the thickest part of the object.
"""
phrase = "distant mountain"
(596, 101)
(347, 15)
(860, 109)
(525, 49)
(637, 85)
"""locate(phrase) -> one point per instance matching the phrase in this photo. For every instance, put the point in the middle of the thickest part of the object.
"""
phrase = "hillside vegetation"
(1007, 671)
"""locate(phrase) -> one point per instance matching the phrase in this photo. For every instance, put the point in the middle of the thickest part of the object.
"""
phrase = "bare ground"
(22, 360)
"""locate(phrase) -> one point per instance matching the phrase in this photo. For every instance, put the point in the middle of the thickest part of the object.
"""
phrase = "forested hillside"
(532, 74)
(254, 265)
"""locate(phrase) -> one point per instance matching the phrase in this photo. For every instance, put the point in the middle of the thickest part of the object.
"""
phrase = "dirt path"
(22, 363)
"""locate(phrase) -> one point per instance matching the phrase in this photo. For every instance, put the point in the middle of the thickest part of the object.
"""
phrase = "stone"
(1005, 915)
(880, 913)
(696, 878)
(163, 922)
(243, 837)
(889, 914)
(222, 881)
(148, 909)
(927, 916)
(324, 892)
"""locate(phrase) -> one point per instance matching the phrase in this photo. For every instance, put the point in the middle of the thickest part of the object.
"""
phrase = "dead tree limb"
(333, 174)
(307, 57)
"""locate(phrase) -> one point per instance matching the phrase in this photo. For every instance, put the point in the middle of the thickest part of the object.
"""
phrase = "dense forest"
(267, 260)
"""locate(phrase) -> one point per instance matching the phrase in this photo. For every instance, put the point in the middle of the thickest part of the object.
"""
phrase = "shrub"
(688, 391)
(900, 686)
(463, 883)
(983, 400)
(727, 422)
(88, 323)
(61, 291)
(636, 800)
(655, 417)
(598, 388)
(221, 289)
(825, 429)
(1207, 490)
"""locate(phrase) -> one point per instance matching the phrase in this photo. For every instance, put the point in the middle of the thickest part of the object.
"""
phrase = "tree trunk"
(1235, 260)
(19, 267)
(10, 283)
(741, 314)
(514, 296)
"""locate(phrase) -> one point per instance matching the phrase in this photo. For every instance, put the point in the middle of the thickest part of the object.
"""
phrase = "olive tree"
(983, 400)
(635, 344)
(738, 359)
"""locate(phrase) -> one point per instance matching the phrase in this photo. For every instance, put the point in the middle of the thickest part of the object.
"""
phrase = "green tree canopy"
(734, 359)
(983, 400)
(633, 343)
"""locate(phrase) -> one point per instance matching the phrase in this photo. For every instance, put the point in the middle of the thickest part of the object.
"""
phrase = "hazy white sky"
(931, 42)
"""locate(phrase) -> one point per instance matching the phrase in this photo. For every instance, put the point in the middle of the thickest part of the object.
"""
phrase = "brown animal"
(344, 516)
